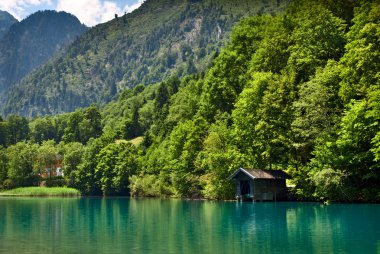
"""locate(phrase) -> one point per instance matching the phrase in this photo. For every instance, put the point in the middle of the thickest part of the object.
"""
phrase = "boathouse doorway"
(245, 188)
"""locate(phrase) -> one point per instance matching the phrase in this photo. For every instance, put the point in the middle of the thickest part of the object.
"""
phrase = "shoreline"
(179, 199)
(41, 192)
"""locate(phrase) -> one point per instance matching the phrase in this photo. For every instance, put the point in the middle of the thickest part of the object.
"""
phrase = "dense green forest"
(160, 39)
(297, 91)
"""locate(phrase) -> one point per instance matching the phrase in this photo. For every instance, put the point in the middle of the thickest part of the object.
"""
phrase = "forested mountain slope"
(298, 91)
(6, 21)
(33, 41)
(160, 39)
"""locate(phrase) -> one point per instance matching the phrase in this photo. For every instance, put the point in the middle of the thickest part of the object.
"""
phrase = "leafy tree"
(83, 125)
(362, 57)
(317, 111)
(47, 158)
(185, 103)
(3, 166)
(92, 114)
(262, 119)
(350, 155)
(42, 129)
(85, 178)
(60, 123)
(21, 156)
(245, 115)
(72, 131)
(218, 159)
(72, 158)
(225, 80)
(132, 127)
(18, 129)
(273, 53)
(183, 148)
(318, 36)
(4, 135)
(116, 162)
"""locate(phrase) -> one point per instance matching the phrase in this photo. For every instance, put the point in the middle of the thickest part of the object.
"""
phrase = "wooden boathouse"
(260, 184)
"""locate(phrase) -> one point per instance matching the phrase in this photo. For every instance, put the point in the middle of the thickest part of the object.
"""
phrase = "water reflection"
(117, 225)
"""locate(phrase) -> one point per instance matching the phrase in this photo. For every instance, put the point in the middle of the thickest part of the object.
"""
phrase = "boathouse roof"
(261, 174)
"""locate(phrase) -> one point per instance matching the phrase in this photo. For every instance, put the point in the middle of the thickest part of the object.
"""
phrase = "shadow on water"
(120, 225)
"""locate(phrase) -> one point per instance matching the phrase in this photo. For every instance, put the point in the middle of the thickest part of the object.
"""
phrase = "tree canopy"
(297, 91)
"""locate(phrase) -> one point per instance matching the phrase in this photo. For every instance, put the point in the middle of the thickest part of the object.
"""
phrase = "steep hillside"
(6, 21)
(298, 91)
(160, 39)
(31, 42)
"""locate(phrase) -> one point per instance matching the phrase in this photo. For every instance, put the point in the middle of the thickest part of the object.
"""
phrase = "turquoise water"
(120, 225)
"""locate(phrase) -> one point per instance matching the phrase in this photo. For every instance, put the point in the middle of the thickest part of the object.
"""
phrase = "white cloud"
(20, 8)
(36, 2)
(130, 8)
(109, 11)
(89, 12)
(92, 12)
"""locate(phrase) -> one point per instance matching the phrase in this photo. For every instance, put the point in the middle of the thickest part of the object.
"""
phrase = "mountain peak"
(6, 16)
(162, 38)
(52, 15)
(32, 41)
(6, 21)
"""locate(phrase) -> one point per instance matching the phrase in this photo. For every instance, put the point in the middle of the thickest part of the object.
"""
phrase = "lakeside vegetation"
(41, 191)
(298, 91)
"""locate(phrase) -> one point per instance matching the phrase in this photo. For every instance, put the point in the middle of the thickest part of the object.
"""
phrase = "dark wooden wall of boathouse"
(260, 185)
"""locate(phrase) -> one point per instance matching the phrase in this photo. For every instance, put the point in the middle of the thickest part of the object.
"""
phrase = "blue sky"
(89, 12)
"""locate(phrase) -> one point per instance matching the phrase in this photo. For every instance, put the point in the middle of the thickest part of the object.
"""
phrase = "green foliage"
(298, 91)
(249, 124)
(317, 111)
(73, 153)
(159, 40)
(40, 191)
(18, 129)
(42, 129)
(3, 166)
(116, 162)
(318, 36)
(82, 125)
(84, 177)
(21, 164)
(4, 134)
(149, 186)
(46, 158)
(330, 184)
(362, 57)
(225, 80)
(185, 103)
(219, 159)
(273, 53)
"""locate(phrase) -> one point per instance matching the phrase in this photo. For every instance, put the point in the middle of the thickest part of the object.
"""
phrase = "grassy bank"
(41, 191)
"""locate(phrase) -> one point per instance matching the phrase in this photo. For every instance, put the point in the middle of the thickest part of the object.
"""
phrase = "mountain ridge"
(6, 21)
(158, 40)
(33, 41)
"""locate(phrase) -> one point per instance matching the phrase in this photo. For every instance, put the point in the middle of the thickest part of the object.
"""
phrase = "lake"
(122, 225)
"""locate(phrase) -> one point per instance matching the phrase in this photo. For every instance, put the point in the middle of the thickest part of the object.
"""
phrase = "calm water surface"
(119, 225)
